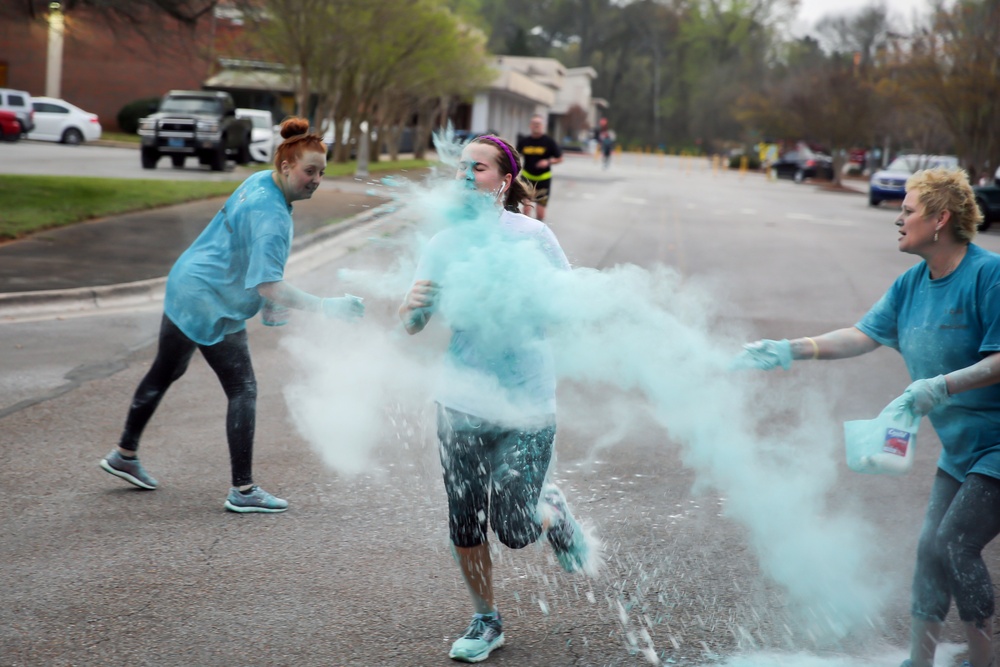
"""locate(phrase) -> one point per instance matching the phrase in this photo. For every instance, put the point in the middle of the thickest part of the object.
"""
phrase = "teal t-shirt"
(940, 326)
(211, 289)
(495, 284)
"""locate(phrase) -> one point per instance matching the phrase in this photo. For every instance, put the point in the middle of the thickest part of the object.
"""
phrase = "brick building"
(107, 64)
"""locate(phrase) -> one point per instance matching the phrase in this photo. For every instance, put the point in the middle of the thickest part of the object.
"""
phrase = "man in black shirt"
(540, 152)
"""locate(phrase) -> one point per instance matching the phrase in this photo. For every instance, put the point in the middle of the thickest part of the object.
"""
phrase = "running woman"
(496, 407)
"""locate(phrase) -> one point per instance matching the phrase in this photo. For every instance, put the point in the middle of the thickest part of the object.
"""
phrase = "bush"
(128, 117)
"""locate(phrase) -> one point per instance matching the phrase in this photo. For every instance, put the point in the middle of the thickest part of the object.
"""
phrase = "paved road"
(712, 537)
(46, 158)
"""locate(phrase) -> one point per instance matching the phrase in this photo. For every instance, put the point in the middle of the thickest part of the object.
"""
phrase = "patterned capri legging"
(492, 474)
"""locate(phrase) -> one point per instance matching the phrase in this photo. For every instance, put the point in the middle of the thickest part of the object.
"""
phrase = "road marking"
(811, 219)
(634, 200)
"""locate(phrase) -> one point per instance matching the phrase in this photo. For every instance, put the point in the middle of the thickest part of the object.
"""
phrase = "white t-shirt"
(493, 295)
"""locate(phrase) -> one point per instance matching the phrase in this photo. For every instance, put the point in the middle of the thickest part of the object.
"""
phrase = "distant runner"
(540, 152)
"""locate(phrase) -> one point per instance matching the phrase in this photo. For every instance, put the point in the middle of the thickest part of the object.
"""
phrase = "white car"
(58, 120)
(262, 140)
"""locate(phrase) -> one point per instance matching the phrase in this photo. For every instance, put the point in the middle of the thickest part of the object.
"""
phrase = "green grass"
(335, 169)
(120, 136)
(32, 203)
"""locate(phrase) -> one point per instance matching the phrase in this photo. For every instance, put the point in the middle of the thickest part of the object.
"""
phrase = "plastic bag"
(884, 445)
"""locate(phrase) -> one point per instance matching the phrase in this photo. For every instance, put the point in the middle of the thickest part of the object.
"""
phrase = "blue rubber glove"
(347, 307)
(922, 396)
(765, 355)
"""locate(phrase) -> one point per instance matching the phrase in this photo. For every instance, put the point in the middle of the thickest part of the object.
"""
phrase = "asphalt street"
(736, 553)
(44, 158)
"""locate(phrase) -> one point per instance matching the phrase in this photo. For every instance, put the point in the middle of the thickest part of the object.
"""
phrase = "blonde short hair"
(942, 189)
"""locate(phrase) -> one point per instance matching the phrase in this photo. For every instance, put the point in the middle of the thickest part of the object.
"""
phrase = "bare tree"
(865, 33)
(130, 11)
(953, 68)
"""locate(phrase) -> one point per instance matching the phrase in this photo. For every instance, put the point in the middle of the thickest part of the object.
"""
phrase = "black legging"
(230, 359)
(962, 518)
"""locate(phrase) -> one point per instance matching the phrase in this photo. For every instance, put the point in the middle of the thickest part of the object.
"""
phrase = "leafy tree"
(301, 34)
(371, 63)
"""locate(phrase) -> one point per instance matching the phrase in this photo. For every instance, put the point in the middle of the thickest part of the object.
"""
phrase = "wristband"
(815, 347)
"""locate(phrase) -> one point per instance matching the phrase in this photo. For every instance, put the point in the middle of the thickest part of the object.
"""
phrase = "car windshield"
(261, 122)
(191, 105)
(909, 164)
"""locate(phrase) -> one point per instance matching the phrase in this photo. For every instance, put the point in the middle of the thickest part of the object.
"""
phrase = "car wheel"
(150, 156)
(217, 160)
(800, 176)
(72, 136)
(243, 153)
(874, 201)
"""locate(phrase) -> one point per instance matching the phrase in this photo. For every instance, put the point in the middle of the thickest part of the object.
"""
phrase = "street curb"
(23, 305)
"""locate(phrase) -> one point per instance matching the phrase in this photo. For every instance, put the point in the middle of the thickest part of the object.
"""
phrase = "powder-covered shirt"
(212, 288)
(493, 289)
(940, 326)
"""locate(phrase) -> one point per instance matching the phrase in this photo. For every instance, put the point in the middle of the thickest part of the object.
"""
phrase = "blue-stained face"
(479, 168)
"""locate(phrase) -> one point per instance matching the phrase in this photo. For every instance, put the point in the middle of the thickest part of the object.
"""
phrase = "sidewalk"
(130, 253)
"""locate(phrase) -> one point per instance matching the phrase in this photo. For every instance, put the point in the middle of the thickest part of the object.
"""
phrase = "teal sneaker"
(128, 469)
(254, 500)
(484, 634)
(564, 534)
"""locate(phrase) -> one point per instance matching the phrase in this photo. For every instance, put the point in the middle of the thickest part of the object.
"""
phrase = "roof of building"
(516, 83)
(548, 71)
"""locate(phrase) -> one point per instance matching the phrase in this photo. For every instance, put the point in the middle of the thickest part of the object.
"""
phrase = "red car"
(10, 129)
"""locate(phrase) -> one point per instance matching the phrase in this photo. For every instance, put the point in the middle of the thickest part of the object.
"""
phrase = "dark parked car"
(890, 183)
(988, 200)
(195, 123)
(803, 163)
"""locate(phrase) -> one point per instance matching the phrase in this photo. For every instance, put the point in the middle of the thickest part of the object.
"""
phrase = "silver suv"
(19, 102)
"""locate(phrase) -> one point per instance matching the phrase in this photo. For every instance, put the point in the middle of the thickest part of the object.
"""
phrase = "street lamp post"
(53, 66)
(361, 170)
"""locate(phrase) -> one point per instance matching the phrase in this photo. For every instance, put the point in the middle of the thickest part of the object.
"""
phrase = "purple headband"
(514, 170)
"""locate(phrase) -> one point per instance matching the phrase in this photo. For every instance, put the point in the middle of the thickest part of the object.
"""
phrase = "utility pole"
(53, 65)
(361, 171)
